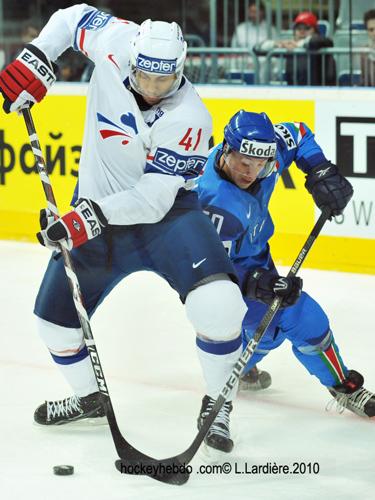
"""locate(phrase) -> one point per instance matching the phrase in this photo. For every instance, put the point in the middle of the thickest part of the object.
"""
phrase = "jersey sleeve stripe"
(86, 19)
(81, 41)
(81, 23)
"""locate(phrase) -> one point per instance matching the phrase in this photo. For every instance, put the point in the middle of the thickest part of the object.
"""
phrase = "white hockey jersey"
(133, 162)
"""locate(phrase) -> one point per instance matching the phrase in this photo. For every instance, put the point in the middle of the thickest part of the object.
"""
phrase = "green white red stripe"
(333, 361)
(301, 131)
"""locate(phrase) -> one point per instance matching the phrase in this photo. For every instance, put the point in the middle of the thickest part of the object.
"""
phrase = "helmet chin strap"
(221, 157)
(219, 165)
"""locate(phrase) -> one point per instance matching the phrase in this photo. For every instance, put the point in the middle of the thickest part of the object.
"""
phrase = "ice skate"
(255, 380)
(351, 395)
(71, 409)
(217, 440)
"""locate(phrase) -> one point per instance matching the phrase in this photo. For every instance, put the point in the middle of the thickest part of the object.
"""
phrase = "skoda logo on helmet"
(258, 149)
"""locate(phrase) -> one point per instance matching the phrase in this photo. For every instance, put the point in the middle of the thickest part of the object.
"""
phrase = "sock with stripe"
(321, 357)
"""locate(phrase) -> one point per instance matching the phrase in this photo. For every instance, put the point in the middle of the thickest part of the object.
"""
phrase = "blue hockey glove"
(329, 188)
(264, 285)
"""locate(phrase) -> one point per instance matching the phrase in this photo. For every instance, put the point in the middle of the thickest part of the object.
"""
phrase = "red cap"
(307, 18)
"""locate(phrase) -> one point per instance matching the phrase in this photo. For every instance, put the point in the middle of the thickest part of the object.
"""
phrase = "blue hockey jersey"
(241, 216)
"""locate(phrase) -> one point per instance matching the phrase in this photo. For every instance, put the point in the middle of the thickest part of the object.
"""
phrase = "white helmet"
(158, 48)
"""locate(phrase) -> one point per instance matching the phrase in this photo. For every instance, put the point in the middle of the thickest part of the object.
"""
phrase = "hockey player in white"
(146, 136)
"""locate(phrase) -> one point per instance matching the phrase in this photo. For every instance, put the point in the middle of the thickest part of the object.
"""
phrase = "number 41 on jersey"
(189, 139)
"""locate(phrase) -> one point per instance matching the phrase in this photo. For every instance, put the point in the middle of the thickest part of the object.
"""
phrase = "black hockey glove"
(264, 285)
(329, 187)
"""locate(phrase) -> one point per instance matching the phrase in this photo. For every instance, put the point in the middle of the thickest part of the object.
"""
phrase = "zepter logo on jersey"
(170, 162)
(96, 20)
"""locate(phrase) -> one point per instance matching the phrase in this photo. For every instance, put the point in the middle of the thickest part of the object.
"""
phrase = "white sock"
(80, 376)
(217, 369)
(64, 342)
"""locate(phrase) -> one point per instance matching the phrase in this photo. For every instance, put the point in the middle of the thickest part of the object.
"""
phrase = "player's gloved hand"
(27, 79)
(83, 223)
(265, 285)
(192, 175)
(329, 188)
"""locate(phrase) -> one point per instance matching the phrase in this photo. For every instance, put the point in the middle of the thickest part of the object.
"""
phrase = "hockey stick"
(185, 457)
(124, 449)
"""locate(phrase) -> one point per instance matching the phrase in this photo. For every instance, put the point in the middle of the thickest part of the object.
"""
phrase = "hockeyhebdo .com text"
(59, 157)
(268, 468)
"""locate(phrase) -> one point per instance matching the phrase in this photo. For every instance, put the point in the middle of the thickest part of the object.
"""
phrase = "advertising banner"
(342, 122)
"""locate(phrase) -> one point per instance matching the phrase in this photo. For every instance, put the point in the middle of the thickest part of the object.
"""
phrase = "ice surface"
(147, 350)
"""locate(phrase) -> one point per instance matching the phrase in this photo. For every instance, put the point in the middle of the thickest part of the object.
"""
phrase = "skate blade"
(82, 423)
(212, 455)
(247, 386)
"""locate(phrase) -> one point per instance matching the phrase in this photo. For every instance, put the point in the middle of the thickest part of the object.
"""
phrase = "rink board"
(342, 122)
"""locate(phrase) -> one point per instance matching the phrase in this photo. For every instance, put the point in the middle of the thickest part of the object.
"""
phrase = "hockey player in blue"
(235, 191)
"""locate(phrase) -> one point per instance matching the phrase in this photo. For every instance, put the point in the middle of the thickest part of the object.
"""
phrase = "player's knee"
(60, 340)
(216, 310)
(305, 321)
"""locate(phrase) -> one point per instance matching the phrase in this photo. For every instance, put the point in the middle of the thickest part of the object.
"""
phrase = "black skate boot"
(351, 394)
(255, 380)
(218, 436)
(70, 410)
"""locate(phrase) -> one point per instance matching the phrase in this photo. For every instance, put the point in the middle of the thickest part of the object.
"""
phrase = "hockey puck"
(63, 470)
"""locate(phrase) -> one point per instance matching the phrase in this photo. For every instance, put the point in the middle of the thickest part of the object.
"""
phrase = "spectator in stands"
(310, 68)
(255, 29)
(28, 32)
(251, 32)
(71, 66)
(368, 60)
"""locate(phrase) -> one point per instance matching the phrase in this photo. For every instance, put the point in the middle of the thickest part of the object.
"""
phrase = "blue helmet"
(252, 134)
